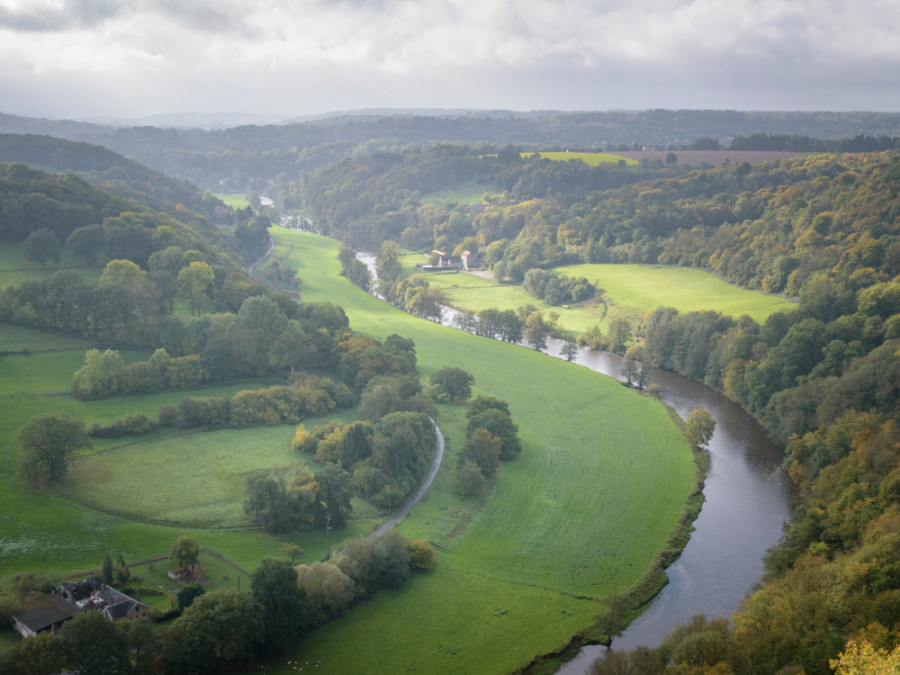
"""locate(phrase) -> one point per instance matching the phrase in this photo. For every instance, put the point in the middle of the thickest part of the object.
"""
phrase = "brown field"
(713, 157)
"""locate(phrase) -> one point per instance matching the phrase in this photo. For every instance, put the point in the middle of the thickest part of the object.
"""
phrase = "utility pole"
(327, 536)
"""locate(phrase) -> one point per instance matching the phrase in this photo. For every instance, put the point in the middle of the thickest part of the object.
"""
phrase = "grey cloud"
(203, 16)
(74, 14)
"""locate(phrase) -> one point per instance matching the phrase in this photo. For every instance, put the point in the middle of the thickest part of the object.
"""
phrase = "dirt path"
(429, 479)
(266, 255)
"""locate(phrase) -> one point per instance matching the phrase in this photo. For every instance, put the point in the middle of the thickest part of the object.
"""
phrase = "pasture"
(233, 200)
(600, 486)
(69, 528)
(631, 290)
(601, 483)
(589, 158)
(686, 289)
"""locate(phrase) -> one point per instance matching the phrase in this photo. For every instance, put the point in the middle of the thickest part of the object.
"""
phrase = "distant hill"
(101, 166)
(253, 157)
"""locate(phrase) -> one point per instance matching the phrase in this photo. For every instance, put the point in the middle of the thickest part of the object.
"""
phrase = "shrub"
(168, 416)
(137, 423)
(421, 554)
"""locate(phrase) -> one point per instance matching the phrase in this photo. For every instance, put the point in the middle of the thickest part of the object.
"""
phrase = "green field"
(601, 483)
(233, 200)
(589, 158)
(631, 290)
(15, 268)
(192, 479)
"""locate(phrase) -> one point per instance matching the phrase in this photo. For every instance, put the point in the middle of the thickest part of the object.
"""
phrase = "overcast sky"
(83, 58)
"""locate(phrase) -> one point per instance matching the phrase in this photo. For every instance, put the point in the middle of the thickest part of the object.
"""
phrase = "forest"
(824, 381)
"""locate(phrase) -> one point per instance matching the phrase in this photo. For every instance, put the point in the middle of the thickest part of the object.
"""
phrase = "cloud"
(322, 54)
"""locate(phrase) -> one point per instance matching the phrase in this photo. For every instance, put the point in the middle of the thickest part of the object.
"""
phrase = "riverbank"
(599, 489)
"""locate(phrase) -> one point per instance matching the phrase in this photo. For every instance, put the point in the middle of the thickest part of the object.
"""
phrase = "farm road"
(429, 479)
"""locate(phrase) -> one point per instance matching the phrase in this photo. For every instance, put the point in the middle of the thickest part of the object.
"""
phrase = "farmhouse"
(93, 594)
(47, 612)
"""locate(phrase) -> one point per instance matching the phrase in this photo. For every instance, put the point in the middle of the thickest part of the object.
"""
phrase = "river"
(746, 502)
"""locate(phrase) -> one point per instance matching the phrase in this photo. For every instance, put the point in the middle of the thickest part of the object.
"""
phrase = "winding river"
(746, 502)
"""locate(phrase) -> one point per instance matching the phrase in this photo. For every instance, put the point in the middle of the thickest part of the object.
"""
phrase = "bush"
(421, 554)
(137, 423)
(168, 416)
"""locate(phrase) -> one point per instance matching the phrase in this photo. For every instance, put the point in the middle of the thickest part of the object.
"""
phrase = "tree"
(327, 588)
(193, 281)
(864, 659)
(274, 586)
(107, 569)
(633, 367)
(267, 503)
(219, 627)
(334, 495)
(49, 441)
(93, 645)
(451, 384)
(121, 273)
(492, 414)
(188, 594)
(42, 245)
(421, 555)
(469, 479)
(121, 573)
(569, 351)
(39, 655)
(699, 427)
(291, 551)
(184, 551)
(483, 449)
(537, 330)
(618, 335)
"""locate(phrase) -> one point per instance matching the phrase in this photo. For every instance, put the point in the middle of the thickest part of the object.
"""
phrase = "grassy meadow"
(601, 483)
(233, 200)
(630, 290)
(589, 158)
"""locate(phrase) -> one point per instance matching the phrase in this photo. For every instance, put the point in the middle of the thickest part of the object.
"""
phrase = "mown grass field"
(233, 200)
(631, 290)
(70, 529)
(601, 482)
(684, 288)
(589, 158)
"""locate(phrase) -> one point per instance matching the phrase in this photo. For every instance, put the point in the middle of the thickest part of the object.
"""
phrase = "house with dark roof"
(44, 613)
(89, 594)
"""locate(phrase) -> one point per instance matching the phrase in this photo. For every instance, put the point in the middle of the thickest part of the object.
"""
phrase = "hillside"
(250, 156)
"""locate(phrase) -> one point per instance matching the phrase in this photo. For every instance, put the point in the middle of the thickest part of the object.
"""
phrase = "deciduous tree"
(451, 384)
(48, 443)
(699, 427)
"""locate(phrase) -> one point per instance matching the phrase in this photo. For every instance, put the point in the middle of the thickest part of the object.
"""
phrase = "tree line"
(224, 629)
